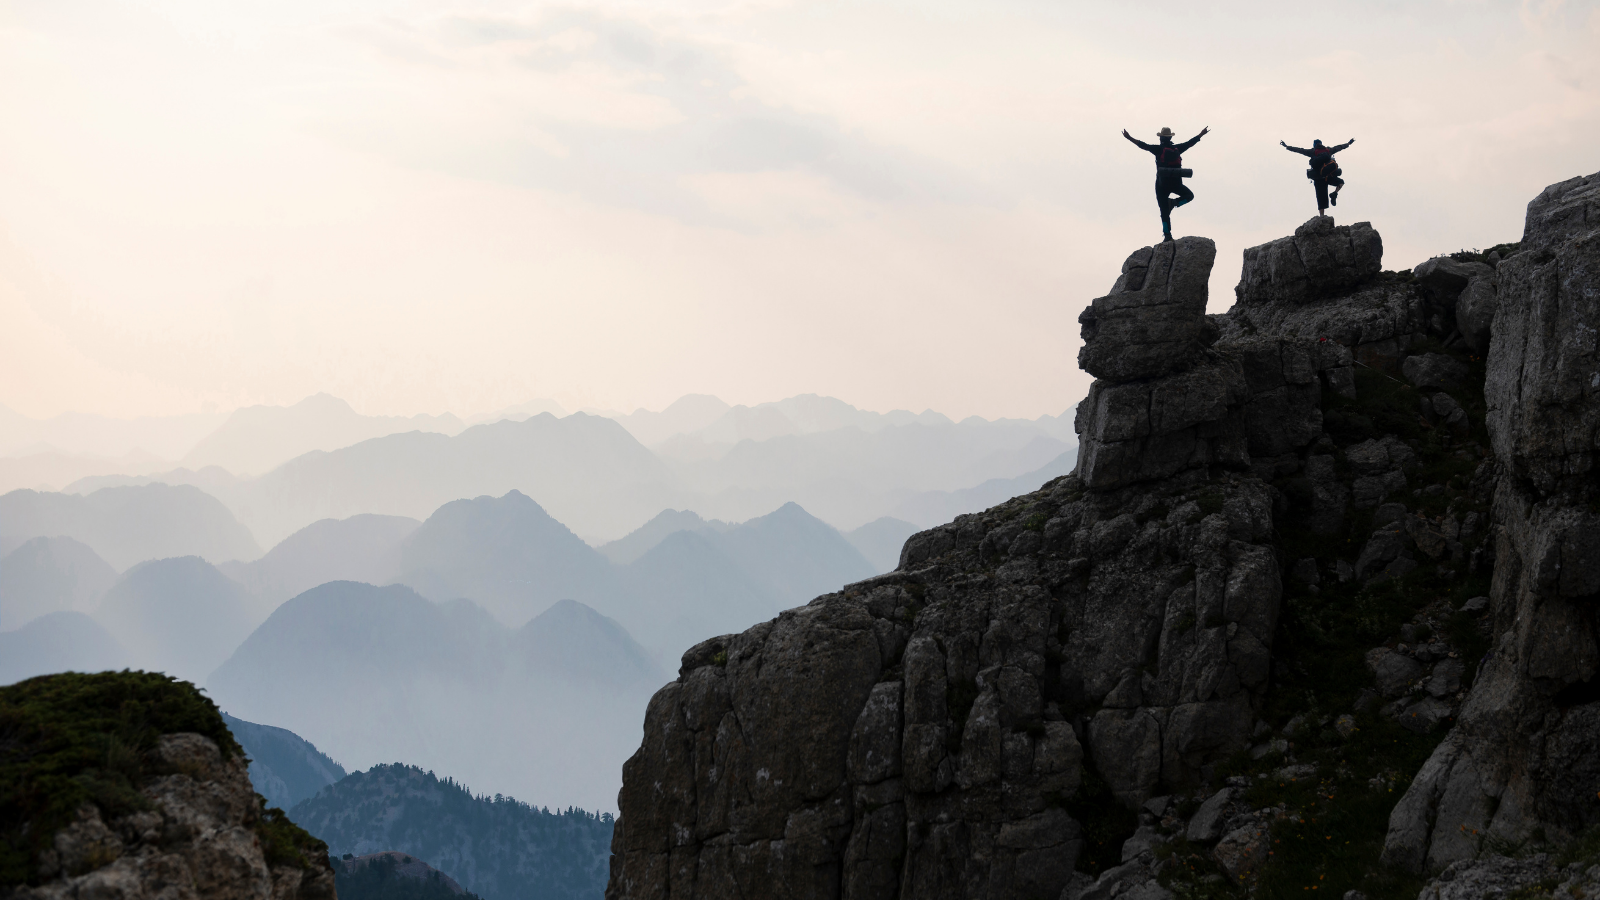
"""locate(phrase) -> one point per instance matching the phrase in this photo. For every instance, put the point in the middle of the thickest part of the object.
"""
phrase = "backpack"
(1169, 158)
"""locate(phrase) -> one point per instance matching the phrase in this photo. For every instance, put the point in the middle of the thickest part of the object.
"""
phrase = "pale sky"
(435, 206)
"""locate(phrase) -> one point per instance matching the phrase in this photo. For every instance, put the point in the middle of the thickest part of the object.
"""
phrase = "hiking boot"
(1333, 199)
(1166, 238)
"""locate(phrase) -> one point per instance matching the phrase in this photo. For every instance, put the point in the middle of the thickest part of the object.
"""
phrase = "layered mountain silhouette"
(374, 673)
(127, 525)
(935, 507)
(880, 541)
(284, 767)
(361, 548)
(58, 642)
(257, 439)
(586, 470)
(180, 616)
(851, 474)
(505, 553)
(87, 434)
(687, 578)
(50, 574)
(497, 847)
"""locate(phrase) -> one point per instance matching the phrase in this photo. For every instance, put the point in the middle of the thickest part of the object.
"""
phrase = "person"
(1323, 172)
(1169, 172)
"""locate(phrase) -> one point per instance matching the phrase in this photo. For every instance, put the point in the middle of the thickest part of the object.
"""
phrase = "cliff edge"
(128, 785)
(1211, 660)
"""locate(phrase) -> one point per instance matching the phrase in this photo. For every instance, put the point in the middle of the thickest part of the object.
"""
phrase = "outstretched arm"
(1298, 150)
(1343, 145)
(1194, 140)
(1138, 143)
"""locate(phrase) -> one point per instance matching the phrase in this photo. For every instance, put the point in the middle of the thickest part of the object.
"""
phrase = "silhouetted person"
(1169, 172)
(1324, 171)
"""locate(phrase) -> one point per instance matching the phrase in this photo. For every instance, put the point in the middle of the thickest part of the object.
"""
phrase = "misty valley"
(447, 648)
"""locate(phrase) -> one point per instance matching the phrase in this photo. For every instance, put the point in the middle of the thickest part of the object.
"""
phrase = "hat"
(1164, 132)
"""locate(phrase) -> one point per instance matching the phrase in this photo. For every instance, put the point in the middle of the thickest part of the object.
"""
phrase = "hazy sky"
(431, 205)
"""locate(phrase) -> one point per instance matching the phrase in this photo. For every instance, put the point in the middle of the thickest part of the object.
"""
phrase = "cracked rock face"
(1522, 754)
(926, 733)
(918, 734)
(1154, 320)
(197, 841)
(1320, 260)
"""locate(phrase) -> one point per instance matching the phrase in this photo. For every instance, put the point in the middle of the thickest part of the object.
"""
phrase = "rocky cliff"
(128, 785)
(1210, 661)
(1523, 763)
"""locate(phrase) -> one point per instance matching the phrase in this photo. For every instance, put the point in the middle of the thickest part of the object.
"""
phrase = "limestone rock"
(1443, 279)
(1154, 321)
(1243, 850)
(1506, 876)
(199, 842)
(1434, 370)
(1475, 309)
(1512, 764)
(1395, 672)
(1206, 825)
(1320, 260)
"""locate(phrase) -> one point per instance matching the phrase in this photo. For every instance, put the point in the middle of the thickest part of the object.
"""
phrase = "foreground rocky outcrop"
(1523, 763)
(1207, 663)
(127, 785)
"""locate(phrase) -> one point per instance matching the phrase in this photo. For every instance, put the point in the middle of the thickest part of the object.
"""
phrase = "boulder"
(1475, 308)
(1153, 323)
(1205, 826)
(1434, 371)
(1243, 850)
(1320, 260)
(1444, 278)
(1394, 672)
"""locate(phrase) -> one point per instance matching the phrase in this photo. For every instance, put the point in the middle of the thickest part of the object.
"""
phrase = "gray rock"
(817, 745)
(1394, 672)
(1475, 309)
(1444, 278)
(1540, 365)
(1320, 260)
(1205, 826)
(1305, 571)
(200, 830)
(1446, 679)
(1243, 851)
(1370, 490)
(1494, 875)
(1330, 495)
(1449, 412)
(1154, 322)
(1475, 605)
(1435, 371)
(1425, 714)
(1385, 545)
(1388, 513)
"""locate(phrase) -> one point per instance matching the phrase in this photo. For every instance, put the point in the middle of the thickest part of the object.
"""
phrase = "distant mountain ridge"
(50, 574)
(58, 642)
(257, 439)
(373, 673)
(497, 847)
(181, 616)
(598, 476)
(128, 525)
(284, 767)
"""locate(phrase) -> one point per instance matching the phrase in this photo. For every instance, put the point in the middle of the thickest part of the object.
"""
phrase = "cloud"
(618, 111)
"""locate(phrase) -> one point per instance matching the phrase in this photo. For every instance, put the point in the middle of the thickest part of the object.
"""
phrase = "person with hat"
(1169, 172)
(1323, 172)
